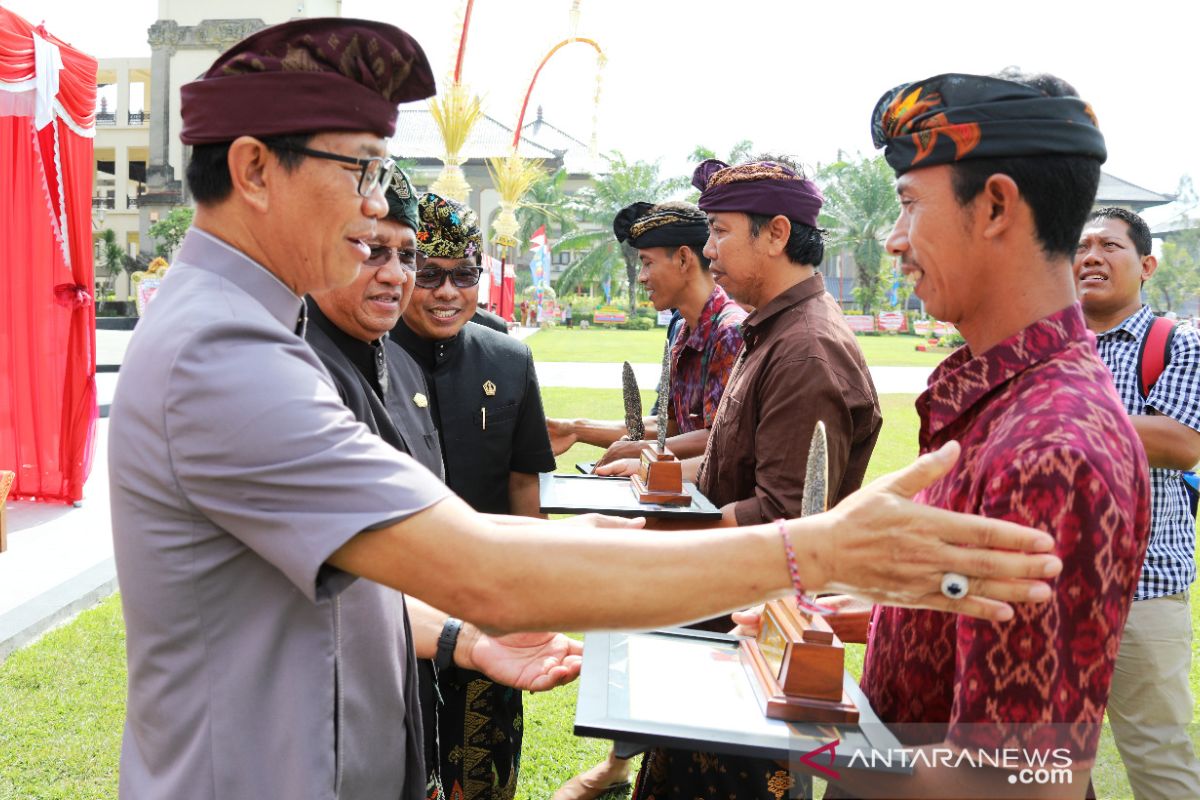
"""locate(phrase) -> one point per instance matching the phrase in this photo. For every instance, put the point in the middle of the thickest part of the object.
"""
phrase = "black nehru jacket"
(484, 436)
(396, 415)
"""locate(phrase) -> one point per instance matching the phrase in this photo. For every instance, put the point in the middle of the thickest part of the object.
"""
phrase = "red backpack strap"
(1154, 353)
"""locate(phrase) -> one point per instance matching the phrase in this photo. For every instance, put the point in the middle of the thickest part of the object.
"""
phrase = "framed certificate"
(584, 494)
(693, 690)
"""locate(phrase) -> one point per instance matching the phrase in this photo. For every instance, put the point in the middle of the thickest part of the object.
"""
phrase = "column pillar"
(122, 96)
(122, 176)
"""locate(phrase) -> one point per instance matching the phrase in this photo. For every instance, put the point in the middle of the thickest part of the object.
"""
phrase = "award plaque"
(591, 494)
(659, 478)
(692, 690)
(660, 475)
(798, 662)
(797, 659)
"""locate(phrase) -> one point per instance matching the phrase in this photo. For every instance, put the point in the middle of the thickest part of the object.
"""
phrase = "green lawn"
(62, 699)
(609, 346)
(897, 351)
(597, 345)
(62, 707)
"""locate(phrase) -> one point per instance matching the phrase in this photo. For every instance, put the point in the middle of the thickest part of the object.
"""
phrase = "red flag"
(539, 238)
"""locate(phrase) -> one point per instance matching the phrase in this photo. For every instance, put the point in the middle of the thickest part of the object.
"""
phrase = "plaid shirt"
(1170, 559)
(702, 359)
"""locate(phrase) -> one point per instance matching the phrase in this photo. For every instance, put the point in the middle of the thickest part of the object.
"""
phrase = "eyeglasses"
(433, 278)
(409, 258)
(374, 172)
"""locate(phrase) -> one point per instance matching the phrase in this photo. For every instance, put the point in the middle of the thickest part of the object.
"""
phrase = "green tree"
(625, 182)
(168, 232)
(1177, 278)
(546, 203)
(737, 154)
(860, 209)
(111, 257)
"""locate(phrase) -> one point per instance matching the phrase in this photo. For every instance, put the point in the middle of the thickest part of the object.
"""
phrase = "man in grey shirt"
(246, 498)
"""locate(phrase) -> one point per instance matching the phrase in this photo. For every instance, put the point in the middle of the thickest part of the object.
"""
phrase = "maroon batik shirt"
(702, 359)
(1045, 442)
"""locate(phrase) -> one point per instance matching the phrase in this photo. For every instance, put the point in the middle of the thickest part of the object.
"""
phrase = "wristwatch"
(447, 642)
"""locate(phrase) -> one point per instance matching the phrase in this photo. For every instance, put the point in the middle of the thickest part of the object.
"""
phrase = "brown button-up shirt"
(800, 364)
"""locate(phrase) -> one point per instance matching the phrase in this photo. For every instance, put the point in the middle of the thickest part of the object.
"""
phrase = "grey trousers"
(1151, 705)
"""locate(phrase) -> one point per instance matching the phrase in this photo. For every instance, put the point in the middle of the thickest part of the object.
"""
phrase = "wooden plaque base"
(660, 479)
(799, 665)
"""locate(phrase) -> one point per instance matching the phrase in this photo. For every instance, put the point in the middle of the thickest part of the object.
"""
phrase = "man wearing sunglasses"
(488, 410)
(348, 329)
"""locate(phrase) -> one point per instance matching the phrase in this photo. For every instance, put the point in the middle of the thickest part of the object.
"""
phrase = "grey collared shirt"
(236, 471)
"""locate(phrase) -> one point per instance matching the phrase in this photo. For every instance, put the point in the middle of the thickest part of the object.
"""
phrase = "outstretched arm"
(876, 543)
(684, 445)
(599, 433)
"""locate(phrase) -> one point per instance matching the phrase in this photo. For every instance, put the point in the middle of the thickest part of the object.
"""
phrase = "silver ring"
(955, 586)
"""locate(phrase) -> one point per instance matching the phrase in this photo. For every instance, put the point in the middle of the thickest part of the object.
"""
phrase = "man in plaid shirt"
(1150, 705)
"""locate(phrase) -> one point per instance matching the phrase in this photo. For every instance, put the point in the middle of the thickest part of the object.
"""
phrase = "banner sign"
(608, 314)
(860, 323)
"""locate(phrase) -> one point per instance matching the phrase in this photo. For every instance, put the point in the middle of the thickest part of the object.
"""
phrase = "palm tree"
(624, 183)
(737, 154)
(860, 209)
(546, 203)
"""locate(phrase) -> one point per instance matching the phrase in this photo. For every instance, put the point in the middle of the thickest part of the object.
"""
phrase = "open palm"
(532, 662)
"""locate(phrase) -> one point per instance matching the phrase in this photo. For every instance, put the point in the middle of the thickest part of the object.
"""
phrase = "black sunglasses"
(410, 259)
(433, 278)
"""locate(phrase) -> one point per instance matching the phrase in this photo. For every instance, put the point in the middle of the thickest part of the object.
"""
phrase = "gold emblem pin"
(420, 400)
(489, 388)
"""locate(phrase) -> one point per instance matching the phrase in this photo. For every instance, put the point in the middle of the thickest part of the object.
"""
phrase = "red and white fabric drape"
(47, 317)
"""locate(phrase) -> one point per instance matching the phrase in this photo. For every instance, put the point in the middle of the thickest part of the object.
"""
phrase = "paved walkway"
(59, 559)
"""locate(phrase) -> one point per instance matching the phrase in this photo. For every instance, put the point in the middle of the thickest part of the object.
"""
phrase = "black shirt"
(488, 410)
(396, 409)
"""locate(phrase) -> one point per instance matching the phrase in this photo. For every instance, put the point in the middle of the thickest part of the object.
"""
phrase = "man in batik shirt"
(1151, 703)
(669, 238)
(996, 176)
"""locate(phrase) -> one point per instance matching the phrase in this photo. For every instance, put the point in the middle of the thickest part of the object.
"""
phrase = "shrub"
(637, 323)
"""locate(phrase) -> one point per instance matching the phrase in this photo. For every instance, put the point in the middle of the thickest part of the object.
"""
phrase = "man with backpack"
(1156, 370)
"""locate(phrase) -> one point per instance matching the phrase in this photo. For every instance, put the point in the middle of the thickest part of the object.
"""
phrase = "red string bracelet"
(802, 600)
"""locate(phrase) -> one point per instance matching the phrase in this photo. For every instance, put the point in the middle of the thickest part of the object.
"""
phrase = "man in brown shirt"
(800, 364)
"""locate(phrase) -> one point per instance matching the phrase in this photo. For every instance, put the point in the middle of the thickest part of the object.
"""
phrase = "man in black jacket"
(487, 407)
(348, 328)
